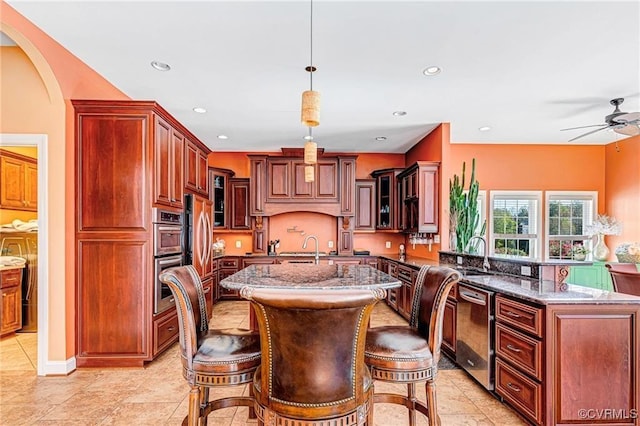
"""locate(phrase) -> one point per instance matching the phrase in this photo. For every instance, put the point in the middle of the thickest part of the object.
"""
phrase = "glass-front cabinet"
(387, 198)
(219, 194)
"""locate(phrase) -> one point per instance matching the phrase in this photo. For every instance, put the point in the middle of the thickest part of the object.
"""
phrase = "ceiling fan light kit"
(624, 123)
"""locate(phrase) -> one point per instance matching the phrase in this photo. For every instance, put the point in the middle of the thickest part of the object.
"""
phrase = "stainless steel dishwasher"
(474, 330)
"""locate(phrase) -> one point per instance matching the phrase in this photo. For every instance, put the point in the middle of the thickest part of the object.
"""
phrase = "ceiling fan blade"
(629, 130)
(588, 133)
(584, 127)
(627, 118)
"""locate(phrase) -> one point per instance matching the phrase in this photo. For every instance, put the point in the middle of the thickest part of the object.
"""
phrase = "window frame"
(568, 195)
(536, 196)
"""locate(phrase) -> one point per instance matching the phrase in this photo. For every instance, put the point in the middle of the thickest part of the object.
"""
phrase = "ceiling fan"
(626, 123)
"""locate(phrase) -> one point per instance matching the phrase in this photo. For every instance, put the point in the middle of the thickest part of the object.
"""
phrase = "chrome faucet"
(304, 246)
(485, 264)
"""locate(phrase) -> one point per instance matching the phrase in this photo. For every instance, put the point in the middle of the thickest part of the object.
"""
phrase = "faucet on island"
(304, 246)
(485, 264)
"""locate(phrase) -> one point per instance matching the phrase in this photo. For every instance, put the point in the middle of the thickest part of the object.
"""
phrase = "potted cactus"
(463, 212)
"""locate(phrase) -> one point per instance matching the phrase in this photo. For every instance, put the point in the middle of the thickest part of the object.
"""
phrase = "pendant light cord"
(311, 47)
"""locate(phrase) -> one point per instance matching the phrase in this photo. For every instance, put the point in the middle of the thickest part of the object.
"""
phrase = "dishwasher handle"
(472, 297)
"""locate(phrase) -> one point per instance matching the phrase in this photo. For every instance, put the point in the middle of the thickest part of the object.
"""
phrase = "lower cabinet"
(407, 278)
(165, 330)
(11, 305)
(449, 323)
(227, 266)
(595, 275)
(209, 291)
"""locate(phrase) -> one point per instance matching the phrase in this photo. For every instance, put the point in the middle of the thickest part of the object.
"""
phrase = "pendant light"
(310, 113)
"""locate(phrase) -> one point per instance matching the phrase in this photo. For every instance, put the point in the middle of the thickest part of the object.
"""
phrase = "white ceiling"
(527, 69)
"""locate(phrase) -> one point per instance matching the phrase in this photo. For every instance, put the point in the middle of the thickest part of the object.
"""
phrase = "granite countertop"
(547, 292)
(410, 260)
(310, 276)
(515, 259)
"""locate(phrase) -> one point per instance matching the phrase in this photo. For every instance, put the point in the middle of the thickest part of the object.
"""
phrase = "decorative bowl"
(628, 253)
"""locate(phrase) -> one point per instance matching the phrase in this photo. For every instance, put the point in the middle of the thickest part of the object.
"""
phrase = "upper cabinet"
(168, 164)
(278, 185)
(219, 193)
(196, 167)
(387, 198)
(239, 191)
(365, 205)
(419, 196)
(18, 181)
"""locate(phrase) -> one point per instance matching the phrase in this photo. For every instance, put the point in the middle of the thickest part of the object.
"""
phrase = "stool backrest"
(313, 348)
(191, 306)
(432, 287)
(625, 281)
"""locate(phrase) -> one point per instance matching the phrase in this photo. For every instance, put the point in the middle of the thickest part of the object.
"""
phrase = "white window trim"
(523, 195)
(566, 195)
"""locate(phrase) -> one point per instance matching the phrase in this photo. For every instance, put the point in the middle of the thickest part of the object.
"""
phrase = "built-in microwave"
(167, 233)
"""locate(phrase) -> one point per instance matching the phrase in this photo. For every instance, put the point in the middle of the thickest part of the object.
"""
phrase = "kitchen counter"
(547, 292)
(414, 261)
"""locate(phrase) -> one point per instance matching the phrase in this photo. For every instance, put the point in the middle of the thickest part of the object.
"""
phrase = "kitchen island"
(564, 354)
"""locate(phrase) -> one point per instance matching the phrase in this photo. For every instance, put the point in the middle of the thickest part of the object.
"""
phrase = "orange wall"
(622, 179)
(42, 107)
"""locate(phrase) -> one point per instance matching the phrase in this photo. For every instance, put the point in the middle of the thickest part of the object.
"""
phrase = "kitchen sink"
(302, 253)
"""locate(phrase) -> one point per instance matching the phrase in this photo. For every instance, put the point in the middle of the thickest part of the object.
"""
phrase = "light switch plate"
(330, 244)
(387, 244)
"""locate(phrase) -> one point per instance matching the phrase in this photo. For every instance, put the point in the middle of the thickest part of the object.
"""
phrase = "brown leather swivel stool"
(313, 370)
(410, 354)
(625, 278)
(210, 358)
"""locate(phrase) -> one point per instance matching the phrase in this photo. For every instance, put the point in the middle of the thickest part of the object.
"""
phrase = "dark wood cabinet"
(405, 291)
(202, 236)
(449, 336)
(227, 266)
(168, 165)
(18, 182)
(196, 167)
(165, 330)
(11, 301)
(219, 193)
(239, 191)
(127, 161)
(365, 205)
(285, 181)
(419, 197)
(387, 198)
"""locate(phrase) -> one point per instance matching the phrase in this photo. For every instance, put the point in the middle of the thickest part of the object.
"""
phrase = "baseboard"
(59, 368)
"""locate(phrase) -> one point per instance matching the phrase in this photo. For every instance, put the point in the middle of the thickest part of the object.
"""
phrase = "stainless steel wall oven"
(168, 252)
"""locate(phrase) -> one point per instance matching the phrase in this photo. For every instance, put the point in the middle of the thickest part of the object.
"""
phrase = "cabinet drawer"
(165, 332)
(522, 351)
(10, 278)
(405, 274)
(393, 269)
(228, 263)
(214, 265)
(523, 317)
(524, 393)
(225, 293)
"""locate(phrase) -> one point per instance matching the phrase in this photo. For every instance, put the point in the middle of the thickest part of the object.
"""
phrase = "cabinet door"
(202, 177)
(449, 328)
(279, 179)
(176, 177)
(31, 186)
(326, 181)
(162, 161)
(11, 319)
(428, 208)
(195, 169)
(365, 205)
(240, 204)
(301, 189)
(347, 186)
(219, 183)
(258, 185)
(208, 288)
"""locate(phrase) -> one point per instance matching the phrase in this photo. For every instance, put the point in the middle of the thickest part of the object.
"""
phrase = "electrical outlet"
(387, 244)
(436, 239)
(459, 260)
(330, 244)
(525, 270)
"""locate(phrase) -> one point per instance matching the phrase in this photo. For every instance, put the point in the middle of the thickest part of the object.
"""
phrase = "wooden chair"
(210, 358)
(313, 370)
(625, 277)
(410, 354)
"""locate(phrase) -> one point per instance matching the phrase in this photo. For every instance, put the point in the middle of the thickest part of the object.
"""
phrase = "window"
(515, 223)
(568, 214)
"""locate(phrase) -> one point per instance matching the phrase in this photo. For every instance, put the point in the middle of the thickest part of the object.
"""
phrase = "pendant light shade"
(310, 152)
(310, 108)
(309, 175)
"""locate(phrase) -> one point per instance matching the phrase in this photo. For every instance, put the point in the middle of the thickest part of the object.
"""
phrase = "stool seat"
(397, 347)
(227, 350)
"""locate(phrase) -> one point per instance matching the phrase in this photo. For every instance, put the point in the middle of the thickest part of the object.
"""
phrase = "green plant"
(463, 210)
(579, 249)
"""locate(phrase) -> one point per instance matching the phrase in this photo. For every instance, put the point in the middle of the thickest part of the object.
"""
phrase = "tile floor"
(157, 394)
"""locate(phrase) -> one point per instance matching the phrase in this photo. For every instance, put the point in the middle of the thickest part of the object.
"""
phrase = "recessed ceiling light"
(381, 138)
(223, 137)
(484, 128)
(160, 66)
(399, 113)
(432, 70)
(199, 110)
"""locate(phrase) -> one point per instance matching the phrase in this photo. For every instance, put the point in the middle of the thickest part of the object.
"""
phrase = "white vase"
(600, 250)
